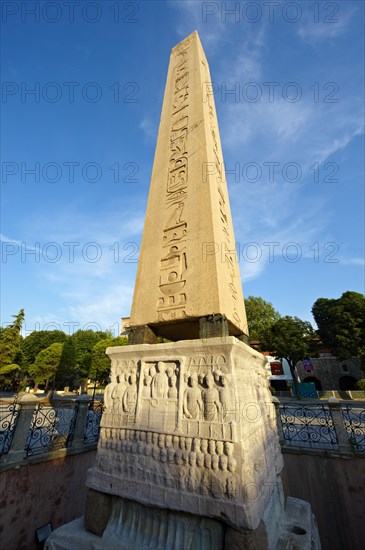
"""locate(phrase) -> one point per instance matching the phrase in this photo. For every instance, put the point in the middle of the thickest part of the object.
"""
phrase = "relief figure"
(226, 396)
(130, 395)
(192, 403)
(159, 383)
(211, 400)
(117, 394)
(108, 401)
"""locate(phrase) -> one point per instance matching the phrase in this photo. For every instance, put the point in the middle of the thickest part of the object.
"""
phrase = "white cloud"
(352, 261)
(149, 129)
(6, 239)
(191, 18)
(105, 308)
(332, 22)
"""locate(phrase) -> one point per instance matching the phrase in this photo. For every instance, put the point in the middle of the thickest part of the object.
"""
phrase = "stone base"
(132, 525)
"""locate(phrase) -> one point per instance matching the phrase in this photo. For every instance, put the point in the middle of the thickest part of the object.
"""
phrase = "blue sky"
(292, 137)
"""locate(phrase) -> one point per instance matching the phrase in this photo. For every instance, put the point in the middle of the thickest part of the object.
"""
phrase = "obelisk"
(188, 268)
(188, 456)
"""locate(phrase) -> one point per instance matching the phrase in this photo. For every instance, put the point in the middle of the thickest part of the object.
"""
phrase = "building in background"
(329, 372)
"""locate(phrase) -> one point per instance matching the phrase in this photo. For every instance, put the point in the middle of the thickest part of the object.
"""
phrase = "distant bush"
(360, 384)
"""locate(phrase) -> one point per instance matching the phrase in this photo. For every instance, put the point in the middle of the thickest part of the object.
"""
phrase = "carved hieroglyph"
(188, 267)
(190, 426)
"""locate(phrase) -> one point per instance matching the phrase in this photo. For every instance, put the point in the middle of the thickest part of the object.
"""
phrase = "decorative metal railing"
(354, 420)
(309, 426)
(9, 414)
(92, 428)
(52, 428)
(44, 428)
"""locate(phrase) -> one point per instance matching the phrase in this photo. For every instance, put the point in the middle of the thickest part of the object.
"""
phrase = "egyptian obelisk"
(188, 456)
(188, 268)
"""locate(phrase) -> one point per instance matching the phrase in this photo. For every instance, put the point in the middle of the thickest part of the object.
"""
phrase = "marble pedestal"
(188, 448)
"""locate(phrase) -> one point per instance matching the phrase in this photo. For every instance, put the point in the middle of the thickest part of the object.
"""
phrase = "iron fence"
(9, 414)
(52, 428)
(92, 428)
(354, 420)
(309, 426)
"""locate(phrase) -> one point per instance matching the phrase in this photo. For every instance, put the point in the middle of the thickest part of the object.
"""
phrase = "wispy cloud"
(103, 308)
(97, 259)
(149, 129)
(333, 21)
(191, 18)
(352, 261)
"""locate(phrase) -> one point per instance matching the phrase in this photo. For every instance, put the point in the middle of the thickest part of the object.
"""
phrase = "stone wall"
(35, 494)
(335, 488)
(330, 370)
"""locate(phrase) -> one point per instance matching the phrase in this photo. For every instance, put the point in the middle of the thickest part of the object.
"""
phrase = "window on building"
(345, 368)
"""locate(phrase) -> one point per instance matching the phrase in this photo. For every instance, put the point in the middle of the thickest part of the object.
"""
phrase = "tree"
(341, 324)
(38, 340)
(84, 342)
(10, 349)
(260, 317)
(290, 338)
(100, 362)
(66, 374)
(46, 364)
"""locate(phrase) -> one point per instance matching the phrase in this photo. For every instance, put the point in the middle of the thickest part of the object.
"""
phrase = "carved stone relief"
(188, 430)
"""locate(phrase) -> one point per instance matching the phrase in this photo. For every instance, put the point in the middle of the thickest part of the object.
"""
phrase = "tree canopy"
(84, 342)
(100, 362)
(341, 324)
(38, 340)
(10, 348)
(260, 317)
(67, 374)
(46, 364)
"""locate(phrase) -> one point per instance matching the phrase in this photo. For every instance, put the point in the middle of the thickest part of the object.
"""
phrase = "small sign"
(276, 368)
(307, 365)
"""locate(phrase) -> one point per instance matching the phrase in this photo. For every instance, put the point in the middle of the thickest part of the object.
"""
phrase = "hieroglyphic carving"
(173, 265)
(228, 247)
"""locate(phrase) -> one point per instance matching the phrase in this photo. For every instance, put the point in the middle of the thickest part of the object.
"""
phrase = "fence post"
(17, 448)
(334, 405)
(81, 419)
(279, 425)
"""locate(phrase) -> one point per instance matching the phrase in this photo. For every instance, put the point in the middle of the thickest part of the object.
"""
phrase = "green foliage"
(46, 364)
(66, 374)
(38, 340)
(9, 369)
(100, 362)
(84, 342)
(360, 384)
(260, 317)
(290, 338)
(10, 349)
(341, 324)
